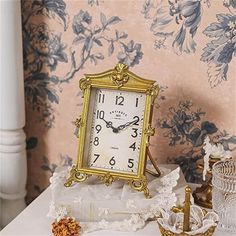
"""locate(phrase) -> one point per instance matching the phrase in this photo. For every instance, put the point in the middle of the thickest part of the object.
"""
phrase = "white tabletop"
(33, 221)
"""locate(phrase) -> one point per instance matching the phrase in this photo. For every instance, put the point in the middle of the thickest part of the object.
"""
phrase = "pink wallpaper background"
(187, 46)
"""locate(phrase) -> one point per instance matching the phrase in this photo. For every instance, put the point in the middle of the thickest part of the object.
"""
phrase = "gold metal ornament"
(78, 122)
(84, 84)
(107, 179)
(186, 222)
(203, 195)
(186, 226)
(75, 176)
(149, 132)
(165, 232)
(119, 78)
(141, 186)
(153, 91)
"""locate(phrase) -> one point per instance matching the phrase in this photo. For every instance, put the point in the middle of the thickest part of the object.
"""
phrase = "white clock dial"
(116, 130)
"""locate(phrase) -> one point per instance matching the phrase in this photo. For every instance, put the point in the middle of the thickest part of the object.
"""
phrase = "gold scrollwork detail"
(149, 132)
(78, 122)
(75, 176)
(120, 75)
(107, 179)
(153, 92)
(140, 185)
(84, 83)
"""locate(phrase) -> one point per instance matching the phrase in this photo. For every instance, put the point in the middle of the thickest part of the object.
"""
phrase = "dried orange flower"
(66, 227)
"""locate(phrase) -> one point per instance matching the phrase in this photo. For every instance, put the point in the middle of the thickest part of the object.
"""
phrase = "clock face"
(116, 122)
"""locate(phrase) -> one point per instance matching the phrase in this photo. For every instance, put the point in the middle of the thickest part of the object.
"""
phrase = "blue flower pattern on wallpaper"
(184, 126)
(177, 20)
(93, 2)
(220, 51)
(89, 38)
(44, 48)
(174, 23)
(229, 3)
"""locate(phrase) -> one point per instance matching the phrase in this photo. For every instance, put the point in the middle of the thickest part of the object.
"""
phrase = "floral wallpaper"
(187, 46)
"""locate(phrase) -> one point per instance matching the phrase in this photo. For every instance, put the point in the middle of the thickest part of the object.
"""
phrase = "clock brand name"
(118, 113)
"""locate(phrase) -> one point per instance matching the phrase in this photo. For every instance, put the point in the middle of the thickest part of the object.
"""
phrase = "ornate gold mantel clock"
(115, 128)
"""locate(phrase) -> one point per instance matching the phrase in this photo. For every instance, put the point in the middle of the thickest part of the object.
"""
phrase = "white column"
(13, 169)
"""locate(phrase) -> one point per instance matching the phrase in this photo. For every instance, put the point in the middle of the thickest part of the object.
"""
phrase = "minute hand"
(121, 127)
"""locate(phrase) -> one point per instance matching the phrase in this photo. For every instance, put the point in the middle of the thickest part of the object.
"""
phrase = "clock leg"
(140, 185)
(158, 174)
(75, 176)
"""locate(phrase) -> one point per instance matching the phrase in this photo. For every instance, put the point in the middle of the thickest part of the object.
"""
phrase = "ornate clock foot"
(75, 176)
(141, 186)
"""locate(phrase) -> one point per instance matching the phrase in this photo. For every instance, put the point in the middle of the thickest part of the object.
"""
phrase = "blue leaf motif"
(103, 19)
(230, 3)
(219, 52)
(179, 39)
(31, 143)
(111, 49)
(93, 2)
(78, 39)
(226, 54)
(223, 18)
(214, 30)
(131, 54)
(113, 20)
(51, 6)
(52, 96)
(183, 16)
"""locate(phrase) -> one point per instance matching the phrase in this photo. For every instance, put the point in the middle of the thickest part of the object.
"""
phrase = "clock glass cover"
(114, 130)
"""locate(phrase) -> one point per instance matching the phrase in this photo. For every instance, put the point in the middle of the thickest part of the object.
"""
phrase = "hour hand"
(109, 125)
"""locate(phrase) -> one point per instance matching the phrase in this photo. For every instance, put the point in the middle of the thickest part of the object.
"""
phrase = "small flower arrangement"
(66, 227)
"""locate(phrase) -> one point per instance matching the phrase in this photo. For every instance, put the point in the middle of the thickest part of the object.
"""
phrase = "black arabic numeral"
(96, 157)
(96, 141)
(136, 104)
(137, 120)
(135, 134)
(112, 161)
(101, 98)
(130, 162)
(133, 146)
(100, 114)
(98, 128)
(120, 100)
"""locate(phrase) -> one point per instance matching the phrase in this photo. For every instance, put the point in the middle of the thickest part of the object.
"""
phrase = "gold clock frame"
(119, 78)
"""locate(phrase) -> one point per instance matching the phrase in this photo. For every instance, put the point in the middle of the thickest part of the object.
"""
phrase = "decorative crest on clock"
(120, 75)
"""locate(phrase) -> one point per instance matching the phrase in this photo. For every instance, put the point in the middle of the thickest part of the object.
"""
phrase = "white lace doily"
(117, 207)
(199, 222)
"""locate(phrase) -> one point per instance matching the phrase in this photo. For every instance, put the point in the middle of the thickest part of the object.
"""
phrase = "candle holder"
(187, 220)
(203, 195)
(224, 194)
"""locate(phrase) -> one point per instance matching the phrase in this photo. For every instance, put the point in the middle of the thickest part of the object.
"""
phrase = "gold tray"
(165, 232)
